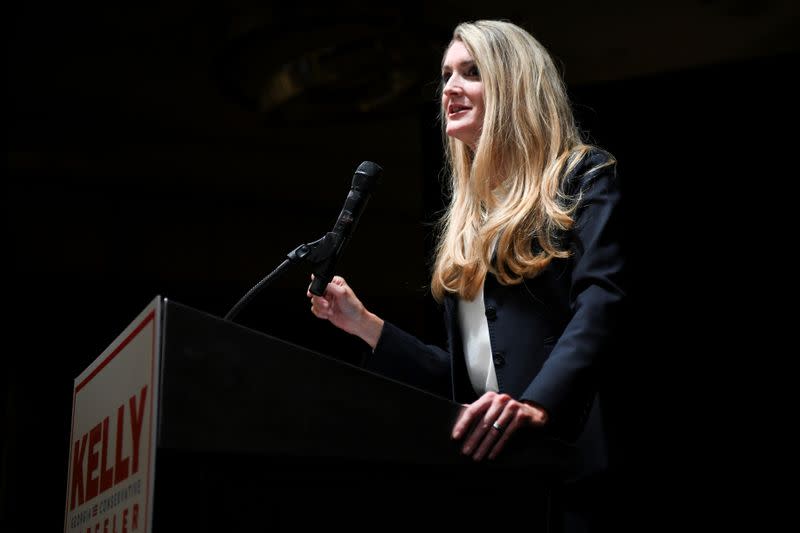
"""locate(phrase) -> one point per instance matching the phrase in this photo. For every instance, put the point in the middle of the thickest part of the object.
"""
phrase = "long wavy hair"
(506, 194)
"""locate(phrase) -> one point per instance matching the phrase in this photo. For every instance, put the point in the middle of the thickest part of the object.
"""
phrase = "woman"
(528, 265)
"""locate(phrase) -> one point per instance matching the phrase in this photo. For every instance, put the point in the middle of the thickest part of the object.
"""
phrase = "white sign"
(113, 440)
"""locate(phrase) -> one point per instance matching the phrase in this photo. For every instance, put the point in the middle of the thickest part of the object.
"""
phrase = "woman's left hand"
(488, 423)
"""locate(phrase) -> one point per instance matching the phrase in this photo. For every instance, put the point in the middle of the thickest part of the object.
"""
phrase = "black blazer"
(552, 337)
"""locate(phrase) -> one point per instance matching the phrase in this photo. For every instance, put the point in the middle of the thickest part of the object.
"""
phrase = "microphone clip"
(316, 252)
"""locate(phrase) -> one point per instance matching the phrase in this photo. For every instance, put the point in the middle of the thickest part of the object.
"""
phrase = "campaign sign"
(112, 445)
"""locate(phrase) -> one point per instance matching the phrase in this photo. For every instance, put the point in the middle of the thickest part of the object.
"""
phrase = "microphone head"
(366, 176)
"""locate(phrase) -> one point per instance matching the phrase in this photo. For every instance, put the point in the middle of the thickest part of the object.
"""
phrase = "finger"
(320, 307)
(485, 444)
(505, 435)
(321, 303)
(456, 431)
(335, 290)
(465, 418)
(480, 429)
(315, 305)
(485, 433)
(471, 413)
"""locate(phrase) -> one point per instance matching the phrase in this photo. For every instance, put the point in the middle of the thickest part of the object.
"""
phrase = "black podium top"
(226, 388)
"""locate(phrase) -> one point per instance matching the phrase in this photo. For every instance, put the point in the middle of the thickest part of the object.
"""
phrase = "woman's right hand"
(341, 307)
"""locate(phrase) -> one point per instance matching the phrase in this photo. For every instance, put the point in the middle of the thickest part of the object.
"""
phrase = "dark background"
(184, 150)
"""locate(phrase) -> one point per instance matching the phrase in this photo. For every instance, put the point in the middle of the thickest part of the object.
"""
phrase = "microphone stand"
(313, 252)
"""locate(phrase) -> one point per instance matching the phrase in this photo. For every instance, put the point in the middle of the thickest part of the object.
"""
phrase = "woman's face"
(462, 95)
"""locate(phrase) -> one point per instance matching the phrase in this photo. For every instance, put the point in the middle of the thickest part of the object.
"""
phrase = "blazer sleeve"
(401, 356)
(566, 382)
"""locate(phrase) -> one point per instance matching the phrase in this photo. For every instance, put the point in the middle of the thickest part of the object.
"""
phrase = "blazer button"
(499, 359)
(491, 312)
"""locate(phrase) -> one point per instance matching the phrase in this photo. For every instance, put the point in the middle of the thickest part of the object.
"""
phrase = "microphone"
(364, 179)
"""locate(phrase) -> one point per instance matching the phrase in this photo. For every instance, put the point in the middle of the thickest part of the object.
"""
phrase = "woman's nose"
(452, 86)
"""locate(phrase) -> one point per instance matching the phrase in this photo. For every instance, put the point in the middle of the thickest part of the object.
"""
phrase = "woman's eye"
(473, 72)
(445, 76)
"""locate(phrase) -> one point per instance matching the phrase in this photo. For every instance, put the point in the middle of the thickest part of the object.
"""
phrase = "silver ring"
(497, 426)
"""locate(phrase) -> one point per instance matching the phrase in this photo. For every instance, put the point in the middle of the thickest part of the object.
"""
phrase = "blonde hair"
(507, 192)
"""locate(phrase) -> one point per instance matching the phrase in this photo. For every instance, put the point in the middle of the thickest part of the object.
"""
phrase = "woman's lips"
(457, 110)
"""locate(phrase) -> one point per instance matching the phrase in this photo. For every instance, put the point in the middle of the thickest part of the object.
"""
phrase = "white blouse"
(477, 346)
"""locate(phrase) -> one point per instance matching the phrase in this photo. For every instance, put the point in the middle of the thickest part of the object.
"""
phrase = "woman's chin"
(456, 132)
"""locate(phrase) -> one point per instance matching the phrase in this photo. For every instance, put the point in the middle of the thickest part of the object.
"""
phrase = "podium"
(188, 422)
